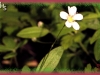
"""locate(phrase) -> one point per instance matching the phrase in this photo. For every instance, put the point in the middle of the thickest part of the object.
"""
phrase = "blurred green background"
(27, 32)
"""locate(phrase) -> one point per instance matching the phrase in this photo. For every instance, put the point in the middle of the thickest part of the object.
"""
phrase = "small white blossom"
(40, 24)
(71, 16)
(34, 39)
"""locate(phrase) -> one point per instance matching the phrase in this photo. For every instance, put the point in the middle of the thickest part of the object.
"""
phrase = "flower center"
(70, 19)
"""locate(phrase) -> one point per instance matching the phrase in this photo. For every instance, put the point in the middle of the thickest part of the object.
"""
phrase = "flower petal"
(63, 15)
(78, 17)
(75, 25)
(72, 10)
(68, 24)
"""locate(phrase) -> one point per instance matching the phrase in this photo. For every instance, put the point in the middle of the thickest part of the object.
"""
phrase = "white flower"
(40, 24)
(71, 17)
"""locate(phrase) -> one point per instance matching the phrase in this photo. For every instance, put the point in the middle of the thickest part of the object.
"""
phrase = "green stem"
(43, 42)
(15, 59)
(85, 50)
(44, 59)
(57, 37)
(96, 10)
(11, 60)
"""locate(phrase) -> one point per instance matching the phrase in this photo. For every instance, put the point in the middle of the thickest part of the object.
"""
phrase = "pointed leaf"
(88, 68)
(52, 60)
(9, 42)
(95, 36)
(67, 41)
(31, 32)
(10, 29)
(74, 47)
(97, 50)
(64, 62)
(4, 48)
(91, 15)
(12, 8)
(9, 55)
(74, 62)
(56, 17)
(93, 24)
(10, 14)
(79, 37)
(20, 44)
(26, 69)
(58, 27)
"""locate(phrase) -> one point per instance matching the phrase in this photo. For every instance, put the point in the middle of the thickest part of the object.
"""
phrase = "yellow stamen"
(70, 19)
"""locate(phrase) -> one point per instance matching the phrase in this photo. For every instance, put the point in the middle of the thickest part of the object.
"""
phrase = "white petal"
(75, 25)
(72, 10)
(78, 17)
(68, 24)
(63, 15)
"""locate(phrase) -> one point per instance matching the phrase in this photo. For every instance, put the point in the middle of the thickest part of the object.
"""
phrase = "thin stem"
(11, 60)
(85, 50)
(57, 37)
(44, 59)
(43, 42)
(96, 10)
(15, 59)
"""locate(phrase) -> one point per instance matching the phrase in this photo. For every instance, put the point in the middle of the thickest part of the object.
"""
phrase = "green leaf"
(74, 63)
(74, 47)
(88, 68)
(95, 69)
(67, 41)
(79, 37)
(97, 6)
(91, 15)
(93, 24)
(46, 13)
(20, 44)
(8, 18)
(95, 36)
(9, 42)
(51, 6)
(97, 50)
(25, 69)
(83, 26)
(58, 28)
(52, 60)
(11, 14)
(28, 19)
(31, 32)
(10, 21)
(33, 11)
(4, 48)
(9, 55)
(86, 43)
(90, 20)
(55, 16)
(10, 29)
(0, 25)
(65, 61)
(11, 8)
